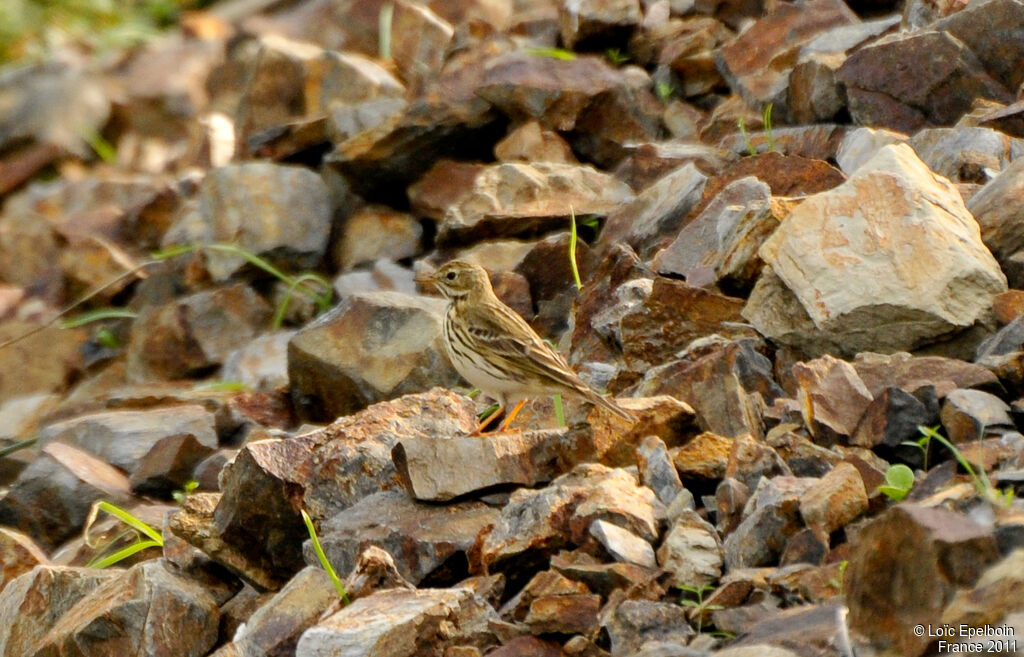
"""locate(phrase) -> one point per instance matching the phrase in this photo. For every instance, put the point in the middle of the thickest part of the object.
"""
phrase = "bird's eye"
(450, 276)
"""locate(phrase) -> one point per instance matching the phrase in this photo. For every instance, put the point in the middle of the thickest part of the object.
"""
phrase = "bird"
(495, 350)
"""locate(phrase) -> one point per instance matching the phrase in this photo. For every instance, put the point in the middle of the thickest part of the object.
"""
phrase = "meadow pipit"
(494, 348)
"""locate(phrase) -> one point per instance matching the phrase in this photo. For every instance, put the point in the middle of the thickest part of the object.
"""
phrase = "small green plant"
(338, 586)
(145, 535)
(899, 479)
(616, 57)
(554, 53)
(313, 286)
(384, 20)
(766, 118)
(741, 123)
(838, 582)
(572, 249)
(187, 489)
(106, 337)
(664, 91)
(693, 597)
(981, 481)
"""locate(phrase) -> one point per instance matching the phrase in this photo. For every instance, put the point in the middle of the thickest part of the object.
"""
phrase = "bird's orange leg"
(487, 420)
(512, 415)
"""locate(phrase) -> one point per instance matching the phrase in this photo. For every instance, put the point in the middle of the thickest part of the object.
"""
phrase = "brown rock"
(893, 418)
(835, 500)
(965, 154)
(969, 414)
(910, 373)
(591, 23)
(545, 584)
(704, 458)
(806, 630)
(419, 39)
(889, 594)
(615, 440)
(43, 362)
(832, 396)
(168, 465)
(803, 457)
(443, 185)
(564, 614)
(425, 541)
(978, 29)
(691, 552)
(632, 623)
(530, 142)
(731, 497)
(996, 208)
(1008, 306)
(993, 600)
(750, 460)
(373, 232)
(603, 578)
(18, 555)
(645, 163)
(771, 517)
(885, 89)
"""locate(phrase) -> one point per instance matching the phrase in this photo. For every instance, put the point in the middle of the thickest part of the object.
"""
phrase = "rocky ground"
(801, 238)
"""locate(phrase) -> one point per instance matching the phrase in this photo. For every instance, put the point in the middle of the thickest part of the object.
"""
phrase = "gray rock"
(966, 154)
(771, 516)
(260, 363)
(632, 623)
(860, 145)
(657, 471)
(692, 552)
(373, 232)
(997, 207)
(969, 414)
(623, 545)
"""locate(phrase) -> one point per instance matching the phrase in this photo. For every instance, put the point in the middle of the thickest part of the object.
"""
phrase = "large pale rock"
(839, 281)
(399, 623)
(515, 197)
(25, 620)
(888, 594)
(122, 438)
(421, 538)
(371, 347)
(692, 552)
(269, 209)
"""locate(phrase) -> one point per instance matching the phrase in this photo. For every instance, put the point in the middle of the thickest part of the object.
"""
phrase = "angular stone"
(536, 523)
(731, 496)
(886, 89)
(603, 578)
(623, 545)
(966, 154)
(123, 438)
(373, 232)
(43, 362)
(424, 540)
(807, 629)
(804, 458)
(771, 517)
(146, 609)
(168, 466)
(584, 25)
(657, 470)
(751, 460)
(369, 348)
(657, 212)
(982, 27)
(757, 64)
(445, 183)
(968, 415)
(18, 555)
(564, 614)
(835, 500)
(996, 206)
(419, 39)
(632, 623)
(530, 142)
(261, 363)
(191, 335)
(893, 418)
(808, 299)
(275, 627)
(52, 497)
(704, 458)
(645, 163)
(993, 600)
(720, 245)
(860, 145)
(832, 396)
(615, 440)
(382, 276)
(692, 552)
(910, 373)
(512, 198)
(889, 594)
(31, 604)
(545, 584)
(396, 623)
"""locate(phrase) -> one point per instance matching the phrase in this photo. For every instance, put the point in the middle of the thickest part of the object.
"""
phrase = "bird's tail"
(609, 404)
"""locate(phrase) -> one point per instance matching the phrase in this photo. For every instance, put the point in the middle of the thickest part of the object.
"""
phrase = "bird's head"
(459, 279)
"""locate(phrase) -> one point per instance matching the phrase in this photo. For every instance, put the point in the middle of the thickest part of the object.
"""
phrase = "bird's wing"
(510, 337)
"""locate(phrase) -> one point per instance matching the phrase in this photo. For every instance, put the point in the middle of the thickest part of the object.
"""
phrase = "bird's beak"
(425, 277)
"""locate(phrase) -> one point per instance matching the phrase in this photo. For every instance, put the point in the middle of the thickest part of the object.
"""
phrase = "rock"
(623, 545)
(359, 353)
(968, 415)
(806, 630)
(658, 211)
(888, 594)
(261, 363)
(996, 208)
(993, 600)
(965, 154)
(124, 438)
(632, 623)
(804, 458)
(190, 335)
(977, 26)
(397, 623)
(545, 584)
(835, 316)
(704, 458)
(603, 578)
(444, 184)
(564, 614)
(720, 379)
(355, 92)
(911, 373)
(835, 500)
(530, 142)
(720, 245)
(770, 518)
(751, 460)
(51, 498)
(615, 440)
(861, 144)
(731, 498)
(435, 468)
(40, 363)
(275, 627)
(147, 608)
(885, 89)
(1008, 306)
(691, 552)
(645, 163)
(657, 470)
(832, 397)
(893, 418)
(552, 282)
(25, 621)
(268, 209)
(426, 542)
(382, 276)
(535, 523)
(375, 570)
(757, 64)
(512, 198)
(18, 555)
(168, 466)
(419, 39)
(373, 232)
(592, 23)
(326, 471)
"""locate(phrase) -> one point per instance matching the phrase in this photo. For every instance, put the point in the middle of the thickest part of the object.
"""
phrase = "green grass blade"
(122, 554)
(172, 251)
(323, 557)
(97, 315)
(572, 249)
(17, 447)
(130, 520)
(559, 410)
(554, 53)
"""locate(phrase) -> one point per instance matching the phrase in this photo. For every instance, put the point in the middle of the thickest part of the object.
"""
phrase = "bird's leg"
(487, 420)
(512, 415)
